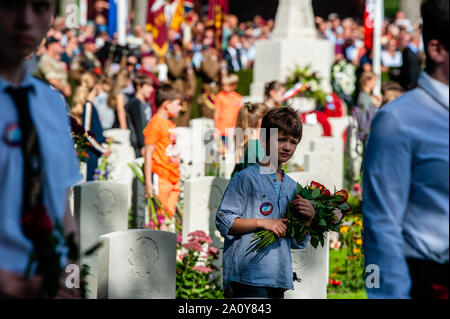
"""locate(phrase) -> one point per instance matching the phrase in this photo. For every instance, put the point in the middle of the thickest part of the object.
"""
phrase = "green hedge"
(245, 80)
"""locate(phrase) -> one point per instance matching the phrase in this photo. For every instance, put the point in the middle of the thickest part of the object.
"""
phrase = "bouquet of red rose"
(330, 210)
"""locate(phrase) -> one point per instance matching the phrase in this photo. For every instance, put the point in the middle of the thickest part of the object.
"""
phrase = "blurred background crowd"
(88, 64)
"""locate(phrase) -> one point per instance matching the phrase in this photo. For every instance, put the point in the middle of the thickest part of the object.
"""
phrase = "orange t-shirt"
(165, 160)
(227, 105)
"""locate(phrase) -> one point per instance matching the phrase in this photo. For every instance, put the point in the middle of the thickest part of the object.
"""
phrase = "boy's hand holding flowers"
(313, 210)
(277, 226)
(304, 208)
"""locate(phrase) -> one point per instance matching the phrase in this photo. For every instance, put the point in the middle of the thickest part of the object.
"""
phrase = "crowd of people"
(87, 59)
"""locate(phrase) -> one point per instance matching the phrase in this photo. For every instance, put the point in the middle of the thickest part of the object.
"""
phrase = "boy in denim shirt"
(256, 199)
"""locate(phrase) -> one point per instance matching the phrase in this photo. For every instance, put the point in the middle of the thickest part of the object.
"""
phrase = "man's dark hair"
(435, 24)
(166, 92)
(140, 80)
(285, 119)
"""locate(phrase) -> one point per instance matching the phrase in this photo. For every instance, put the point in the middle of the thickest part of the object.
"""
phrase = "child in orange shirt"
(162, 160)
(227, 105)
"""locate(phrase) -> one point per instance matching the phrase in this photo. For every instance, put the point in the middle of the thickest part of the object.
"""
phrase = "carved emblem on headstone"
(143, 257)
(105, 202)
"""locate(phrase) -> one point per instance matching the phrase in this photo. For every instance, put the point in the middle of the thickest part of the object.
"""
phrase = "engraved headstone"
(137, 264)
(100, 208)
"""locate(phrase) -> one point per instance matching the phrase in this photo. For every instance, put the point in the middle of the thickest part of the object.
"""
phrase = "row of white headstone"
(131, 263)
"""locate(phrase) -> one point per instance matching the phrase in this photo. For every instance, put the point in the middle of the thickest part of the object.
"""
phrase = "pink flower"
(199, 233)
(161, 220)
(179, 256)
(205, 270)
(179, 239)
(203, 240)
(193, 246)
(151, 225)
(213, 251)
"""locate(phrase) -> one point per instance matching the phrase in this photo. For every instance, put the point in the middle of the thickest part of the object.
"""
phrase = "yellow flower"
(358, 223)
(359, 242)
(356, 250)
(344, 229)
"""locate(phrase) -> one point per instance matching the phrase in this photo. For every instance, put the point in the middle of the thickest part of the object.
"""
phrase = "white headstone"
(339, 125)
(100, 208)
(324, 163)
(202, 134)
(184, 144)
(335, 147)
(122, 153)
(310, 132)
(201, 201)
(310, 265)
(137, 264)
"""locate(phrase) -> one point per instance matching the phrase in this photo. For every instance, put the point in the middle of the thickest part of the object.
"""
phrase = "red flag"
(217, 7)
(217, 10)
(156, 23)
(369, 18)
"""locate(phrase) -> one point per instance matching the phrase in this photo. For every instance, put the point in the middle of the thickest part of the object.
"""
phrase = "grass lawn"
(337, 259)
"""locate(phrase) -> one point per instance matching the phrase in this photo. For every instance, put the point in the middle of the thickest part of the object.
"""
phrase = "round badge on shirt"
(266, 209)
(13, 135)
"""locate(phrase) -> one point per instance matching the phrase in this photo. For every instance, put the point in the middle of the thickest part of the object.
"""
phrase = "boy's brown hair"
(285, 119)
(166, 92)
(140, 80)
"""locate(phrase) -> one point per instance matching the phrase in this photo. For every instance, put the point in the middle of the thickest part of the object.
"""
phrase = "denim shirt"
(406, 186)
(251, 194)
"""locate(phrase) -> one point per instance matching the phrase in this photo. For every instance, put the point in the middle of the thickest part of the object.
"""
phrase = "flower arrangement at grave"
(330, 210)
(196, 274)
(343, 80)
(159, 219)
(103, 170)
(80, 139)
(304, 82)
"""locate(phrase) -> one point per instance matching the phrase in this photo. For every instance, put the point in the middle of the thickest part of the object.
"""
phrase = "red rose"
(315, 185)
(36, 224)
(342, 193)
(326, 192)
